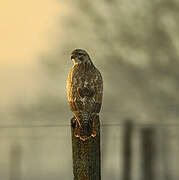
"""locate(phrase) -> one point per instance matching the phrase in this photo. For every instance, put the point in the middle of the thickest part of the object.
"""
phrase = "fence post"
(127, 149)
(86, 155)
(148, 153)
(15, 162)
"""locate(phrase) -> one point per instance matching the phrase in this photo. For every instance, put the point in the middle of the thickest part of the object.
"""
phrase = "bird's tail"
(84, 127)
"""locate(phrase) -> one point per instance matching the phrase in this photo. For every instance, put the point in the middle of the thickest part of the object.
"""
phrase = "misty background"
(135, 45)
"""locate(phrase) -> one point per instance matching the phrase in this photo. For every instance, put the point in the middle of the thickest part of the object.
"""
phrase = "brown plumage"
(84, 92)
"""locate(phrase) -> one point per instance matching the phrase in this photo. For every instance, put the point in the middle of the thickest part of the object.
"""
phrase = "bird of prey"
(84, 92)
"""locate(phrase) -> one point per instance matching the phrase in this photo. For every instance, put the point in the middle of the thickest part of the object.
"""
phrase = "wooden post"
(148, 153)
(127, 149)
(86, 155)
(15, 162)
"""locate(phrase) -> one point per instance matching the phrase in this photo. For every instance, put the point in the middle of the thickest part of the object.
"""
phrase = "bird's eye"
(80, 54)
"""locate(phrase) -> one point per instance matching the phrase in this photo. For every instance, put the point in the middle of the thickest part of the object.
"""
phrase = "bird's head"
(79, 56)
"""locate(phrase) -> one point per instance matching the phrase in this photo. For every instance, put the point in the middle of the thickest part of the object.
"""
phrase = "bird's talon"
(93, 134)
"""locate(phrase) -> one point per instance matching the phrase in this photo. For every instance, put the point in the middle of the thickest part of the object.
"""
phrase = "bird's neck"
(85, 67)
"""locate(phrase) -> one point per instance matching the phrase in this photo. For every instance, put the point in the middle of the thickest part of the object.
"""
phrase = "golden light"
(24, 28)
(27, 29)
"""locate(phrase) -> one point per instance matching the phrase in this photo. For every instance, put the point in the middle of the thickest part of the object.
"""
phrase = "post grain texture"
(86, 155)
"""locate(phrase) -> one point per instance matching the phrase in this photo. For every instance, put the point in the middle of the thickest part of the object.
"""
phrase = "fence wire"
(153, 125)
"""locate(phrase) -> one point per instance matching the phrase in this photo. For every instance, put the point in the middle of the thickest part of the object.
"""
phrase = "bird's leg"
(94, 125)
(75, 125)
(93, 134)
(77, 129)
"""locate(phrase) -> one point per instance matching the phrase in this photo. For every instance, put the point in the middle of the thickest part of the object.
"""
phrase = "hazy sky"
(27, 29)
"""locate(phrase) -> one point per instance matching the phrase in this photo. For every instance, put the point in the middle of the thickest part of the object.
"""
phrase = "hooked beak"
(72, 57)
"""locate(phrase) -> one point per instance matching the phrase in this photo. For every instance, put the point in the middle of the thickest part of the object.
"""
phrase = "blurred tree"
(136, 45)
